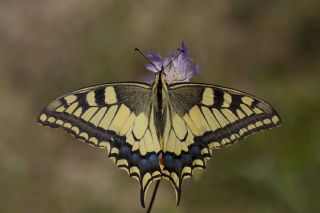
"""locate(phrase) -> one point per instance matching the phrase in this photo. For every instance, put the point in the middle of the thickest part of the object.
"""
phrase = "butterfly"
(159, 130)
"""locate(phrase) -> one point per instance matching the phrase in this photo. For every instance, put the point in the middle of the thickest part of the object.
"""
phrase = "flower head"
(178, 67)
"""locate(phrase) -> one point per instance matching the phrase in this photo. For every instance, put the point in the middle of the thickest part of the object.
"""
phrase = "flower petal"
(150, 67)
(178, 67)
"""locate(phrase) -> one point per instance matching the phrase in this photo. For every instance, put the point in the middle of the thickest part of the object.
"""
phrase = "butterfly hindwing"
(117, 117)
(205, 117)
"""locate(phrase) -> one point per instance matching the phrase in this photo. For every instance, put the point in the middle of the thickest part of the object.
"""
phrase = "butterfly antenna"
(172, 60)
(136, 49)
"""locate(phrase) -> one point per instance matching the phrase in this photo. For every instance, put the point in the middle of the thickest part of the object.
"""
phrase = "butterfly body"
(159, 130)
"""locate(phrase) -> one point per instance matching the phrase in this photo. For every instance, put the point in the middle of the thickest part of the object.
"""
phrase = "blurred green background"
(268, 48)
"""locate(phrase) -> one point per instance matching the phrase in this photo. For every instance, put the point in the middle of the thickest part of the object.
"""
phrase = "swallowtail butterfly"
(159, 130)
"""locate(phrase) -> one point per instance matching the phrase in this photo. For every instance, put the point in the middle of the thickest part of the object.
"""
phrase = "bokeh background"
(268, 48)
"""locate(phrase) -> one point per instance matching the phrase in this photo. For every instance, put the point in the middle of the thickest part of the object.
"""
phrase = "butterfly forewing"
(118, 117)
(205, 117)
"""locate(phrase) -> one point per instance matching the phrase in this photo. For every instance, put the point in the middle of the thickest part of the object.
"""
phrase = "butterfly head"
(160, 78)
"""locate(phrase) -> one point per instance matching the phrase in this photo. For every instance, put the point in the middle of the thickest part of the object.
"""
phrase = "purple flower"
(178, 67)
